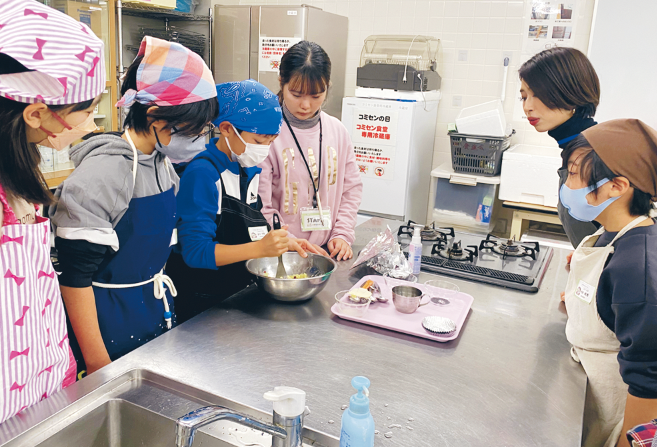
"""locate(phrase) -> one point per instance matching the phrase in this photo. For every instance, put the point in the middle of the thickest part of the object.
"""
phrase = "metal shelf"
(151, 12)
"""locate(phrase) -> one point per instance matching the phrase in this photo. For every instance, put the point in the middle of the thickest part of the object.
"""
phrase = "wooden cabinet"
(99, 15)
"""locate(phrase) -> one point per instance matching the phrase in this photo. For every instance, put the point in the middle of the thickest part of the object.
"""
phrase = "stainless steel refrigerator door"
(232, 43)
(276, 21)
(236, 45)
(330, 32)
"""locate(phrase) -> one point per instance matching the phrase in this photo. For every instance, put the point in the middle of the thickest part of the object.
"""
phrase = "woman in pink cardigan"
(311, 165)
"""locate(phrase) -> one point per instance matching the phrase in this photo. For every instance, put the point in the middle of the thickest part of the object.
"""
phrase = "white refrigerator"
(393, 141)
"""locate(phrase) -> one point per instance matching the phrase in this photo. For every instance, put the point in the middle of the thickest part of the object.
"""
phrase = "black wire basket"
(479, 155)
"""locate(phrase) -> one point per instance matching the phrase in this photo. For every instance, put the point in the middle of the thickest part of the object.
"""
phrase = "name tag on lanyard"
(585, 292)
(311, 221)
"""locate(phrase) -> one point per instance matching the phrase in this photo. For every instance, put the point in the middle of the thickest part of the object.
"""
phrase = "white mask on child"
(253, 154)
(182, 148)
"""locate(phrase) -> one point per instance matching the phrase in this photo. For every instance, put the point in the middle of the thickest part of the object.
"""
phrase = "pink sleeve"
(265, 189)
(7, 216)
(352, 193)
(268, 188)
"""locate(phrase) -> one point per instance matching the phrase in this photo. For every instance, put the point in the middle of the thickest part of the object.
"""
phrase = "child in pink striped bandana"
(51, 77)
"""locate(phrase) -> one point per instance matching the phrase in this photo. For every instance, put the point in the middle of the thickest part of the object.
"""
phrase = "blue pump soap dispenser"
(357, 421)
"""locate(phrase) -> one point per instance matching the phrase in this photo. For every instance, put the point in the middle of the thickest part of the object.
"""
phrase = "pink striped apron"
(34, 351)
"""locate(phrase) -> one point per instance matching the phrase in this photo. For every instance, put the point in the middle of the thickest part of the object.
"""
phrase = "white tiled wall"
(487, 29)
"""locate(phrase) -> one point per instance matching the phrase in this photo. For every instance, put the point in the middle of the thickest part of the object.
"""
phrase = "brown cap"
(629, 148)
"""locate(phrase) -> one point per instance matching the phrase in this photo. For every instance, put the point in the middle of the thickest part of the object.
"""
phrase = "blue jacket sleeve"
(198, 204)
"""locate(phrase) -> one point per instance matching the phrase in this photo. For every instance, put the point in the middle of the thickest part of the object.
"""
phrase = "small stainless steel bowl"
(407, 299)
(284, 289)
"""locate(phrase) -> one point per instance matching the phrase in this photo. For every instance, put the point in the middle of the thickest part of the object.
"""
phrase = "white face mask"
(182, 148)
(253, 154)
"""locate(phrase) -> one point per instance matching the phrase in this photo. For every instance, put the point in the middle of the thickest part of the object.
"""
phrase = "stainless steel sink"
(140, 408)
(116, 423)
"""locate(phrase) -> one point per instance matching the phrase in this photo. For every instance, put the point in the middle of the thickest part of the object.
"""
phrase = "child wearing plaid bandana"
(115, 218)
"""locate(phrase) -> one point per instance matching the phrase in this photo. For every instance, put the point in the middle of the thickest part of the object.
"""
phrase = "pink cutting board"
(386, 316)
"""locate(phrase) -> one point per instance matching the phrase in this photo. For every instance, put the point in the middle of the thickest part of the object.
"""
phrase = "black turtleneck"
(569, 130)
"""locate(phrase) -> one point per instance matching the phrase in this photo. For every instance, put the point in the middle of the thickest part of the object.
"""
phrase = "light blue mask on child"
(574, 200)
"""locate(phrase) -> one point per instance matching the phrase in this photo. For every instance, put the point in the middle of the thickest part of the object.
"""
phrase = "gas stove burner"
(429, 233)
(455, 251)
(509, 247)
(497, 261)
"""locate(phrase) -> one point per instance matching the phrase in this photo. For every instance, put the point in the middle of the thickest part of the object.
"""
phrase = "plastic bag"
(384, 255)
(392, 263)
(380, 242)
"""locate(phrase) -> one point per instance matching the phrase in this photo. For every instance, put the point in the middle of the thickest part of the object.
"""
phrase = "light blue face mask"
(574, 200)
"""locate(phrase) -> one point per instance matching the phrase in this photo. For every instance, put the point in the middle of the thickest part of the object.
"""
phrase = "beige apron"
(595, 346)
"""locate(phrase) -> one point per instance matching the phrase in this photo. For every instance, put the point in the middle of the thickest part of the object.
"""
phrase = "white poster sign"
(375, 126)
(272, 50)
(375, 138)
(375, 160)
(549, 24)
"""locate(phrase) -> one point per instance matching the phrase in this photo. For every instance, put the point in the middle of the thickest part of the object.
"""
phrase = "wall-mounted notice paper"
(547, 24)
(272, 50)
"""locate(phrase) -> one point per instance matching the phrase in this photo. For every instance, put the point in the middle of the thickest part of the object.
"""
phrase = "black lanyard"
(312, 179)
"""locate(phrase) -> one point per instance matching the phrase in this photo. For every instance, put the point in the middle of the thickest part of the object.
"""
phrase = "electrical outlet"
(456, 101)
(463, 55)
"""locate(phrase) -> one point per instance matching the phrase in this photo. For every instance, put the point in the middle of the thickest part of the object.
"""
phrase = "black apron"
(200, 289)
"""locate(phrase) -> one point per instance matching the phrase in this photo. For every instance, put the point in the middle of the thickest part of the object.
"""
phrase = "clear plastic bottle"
(415, 250)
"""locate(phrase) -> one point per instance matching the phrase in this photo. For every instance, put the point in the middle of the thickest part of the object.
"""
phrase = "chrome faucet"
(187, 425)
(289, 411)
(293, 427)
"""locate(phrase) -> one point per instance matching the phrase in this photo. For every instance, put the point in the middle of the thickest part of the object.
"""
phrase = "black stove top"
(492, 260)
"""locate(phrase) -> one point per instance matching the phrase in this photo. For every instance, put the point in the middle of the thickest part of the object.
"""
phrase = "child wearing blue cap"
(220, 225)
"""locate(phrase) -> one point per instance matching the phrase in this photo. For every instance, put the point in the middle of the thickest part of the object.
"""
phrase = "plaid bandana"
(643, 435)
(169, 75)
(65, 57)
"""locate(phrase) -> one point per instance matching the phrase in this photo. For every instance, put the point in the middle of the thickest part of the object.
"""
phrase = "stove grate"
(482, 271)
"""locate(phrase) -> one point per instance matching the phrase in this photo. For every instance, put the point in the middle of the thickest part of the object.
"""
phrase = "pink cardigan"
(285, 185)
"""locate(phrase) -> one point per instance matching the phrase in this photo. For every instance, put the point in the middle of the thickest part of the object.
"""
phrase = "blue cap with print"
(250, 107)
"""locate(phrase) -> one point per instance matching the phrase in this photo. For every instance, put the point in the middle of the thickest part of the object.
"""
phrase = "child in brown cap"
(611, 295)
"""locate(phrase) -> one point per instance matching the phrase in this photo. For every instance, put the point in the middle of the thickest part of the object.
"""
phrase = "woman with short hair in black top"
(560, 93)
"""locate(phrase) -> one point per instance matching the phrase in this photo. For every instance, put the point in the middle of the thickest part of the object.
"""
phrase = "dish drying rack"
(412, 60)
(419, 52)
(400, 63)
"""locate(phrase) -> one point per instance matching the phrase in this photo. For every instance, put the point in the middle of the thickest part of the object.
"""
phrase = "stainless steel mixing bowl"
(283, 289)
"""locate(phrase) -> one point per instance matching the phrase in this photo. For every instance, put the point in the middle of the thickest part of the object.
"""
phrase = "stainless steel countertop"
(508, 380)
